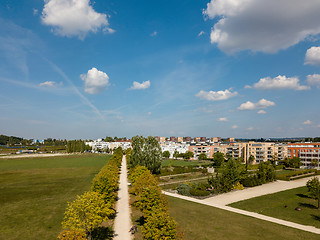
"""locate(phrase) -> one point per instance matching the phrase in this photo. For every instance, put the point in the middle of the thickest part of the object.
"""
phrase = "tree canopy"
(146, 152)
(313, 186)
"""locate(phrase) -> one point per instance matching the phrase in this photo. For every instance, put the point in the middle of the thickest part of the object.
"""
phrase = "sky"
(73, 69)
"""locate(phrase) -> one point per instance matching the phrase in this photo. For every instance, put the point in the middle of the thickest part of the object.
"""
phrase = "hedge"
(296, 174)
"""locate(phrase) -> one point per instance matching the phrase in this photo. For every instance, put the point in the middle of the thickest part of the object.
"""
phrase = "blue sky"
(230, 68)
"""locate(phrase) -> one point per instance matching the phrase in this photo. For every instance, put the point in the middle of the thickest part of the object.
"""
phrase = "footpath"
(122, 221)
(221, 201)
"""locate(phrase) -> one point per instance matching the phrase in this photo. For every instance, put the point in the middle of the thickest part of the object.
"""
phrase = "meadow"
(184, 163)
(282, 205)
(206, 223)
(34, 192)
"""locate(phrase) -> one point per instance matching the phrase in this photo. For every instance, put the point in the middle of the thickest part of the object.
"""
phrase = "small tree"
(313, 186)
(202, 156)
(188, 155)
(295, 162)
(166, 154)
(218, 159)
(87, 212)
(176, 154)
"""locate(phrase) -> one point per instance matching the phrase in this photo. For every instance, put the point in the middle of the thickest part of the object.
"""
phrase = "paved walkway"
(122, 221)
(220, 201)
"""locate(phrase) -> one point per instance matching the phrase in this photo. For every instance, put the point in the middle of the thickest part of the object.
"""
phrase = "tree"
(313, 186)
(176, 154)
(146, 152)
(250, 161)
(314, 163)
(166, 154)
(218, 159)
(188, 155)
(87, 212)
(295, 162)
(159, 225)
(202, 156)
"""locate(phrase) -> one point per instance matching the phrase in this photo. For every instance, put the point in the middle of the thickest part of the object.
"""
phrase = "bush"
(250, 181)
(198, 192)
(287, 176)
(136, 173)
(72, 235)
(184, 189)
(238, 186)
(145, 180)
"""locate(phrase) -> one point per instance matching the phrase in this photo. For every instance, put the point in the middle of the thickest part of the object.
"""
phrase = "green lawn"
(274, 205)
(204, 222)
(34, 192)
(173, 162)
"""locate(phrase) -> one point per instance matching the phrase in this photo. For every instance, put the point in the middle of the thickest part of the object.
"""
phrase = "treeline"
(77, 146)
(144, 159)
(9, 140)
(84, 216)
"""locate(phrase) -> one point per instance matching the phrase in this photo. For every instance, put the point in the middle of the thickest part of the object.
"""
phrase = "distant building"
(173, 139)
(187, 139)
(309, 153)
(180, 139)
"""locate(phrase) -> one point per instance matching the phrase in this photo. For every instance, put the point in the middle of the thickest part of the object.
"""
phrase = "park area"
(34, 192)
(282, 205)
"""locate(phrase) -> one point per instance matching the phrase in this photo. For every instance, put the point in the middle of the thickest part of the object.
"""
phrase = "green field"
(274, 205)
(173, 162)
(204, 222)
(34, 192)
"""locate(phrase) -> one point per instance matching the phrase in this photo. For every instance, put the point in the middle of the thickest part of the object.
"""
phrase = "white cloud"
(314, 80)
(48, 84)
(234, 126)
(72, 17)
(216, 96)
(261, 112)
(140, 86)
(263, 25)
(95, 81)
(312, 56)
(250, 128)
(149, 113)
(223, 119)
(280, 82)
(154, 34)
(263, 103)
(35, 12)
(201, 33)
(307, 122)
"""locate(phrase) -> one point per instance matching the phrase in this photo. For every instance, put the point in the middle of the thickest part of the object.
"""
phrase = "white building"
(172, 147)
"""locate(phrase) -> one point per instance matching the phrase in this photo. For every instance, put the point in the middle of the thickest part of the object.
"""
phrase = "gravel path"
(220, 201)
(122, 221)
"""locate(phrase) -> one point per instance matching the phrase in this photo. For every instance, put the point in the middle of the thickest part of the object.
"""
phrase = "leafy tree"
(218, 159)
(159, 225)
(313, 186)
(145, 180)
(137, 172)
(146, 152)
(72, 235)
(166, 154)
(202, 156)
(188, 155)
(87, 212)
(314, 162)
(176, 154)
(295, 162)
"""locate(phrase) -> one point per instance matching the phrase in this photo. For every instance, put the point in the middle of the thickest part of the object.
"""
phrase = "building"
(309, 153)
(173, 139)
(180, 139)
(172, 147)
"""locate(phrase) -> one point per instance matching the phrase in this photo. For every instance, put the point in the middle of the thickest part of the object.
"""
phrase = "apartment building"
(309, 153)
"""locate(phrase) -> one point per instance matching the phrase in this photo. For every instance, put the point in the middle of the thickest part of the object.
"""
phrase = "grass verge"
(206, 223)
(34, 192)
(274, 205)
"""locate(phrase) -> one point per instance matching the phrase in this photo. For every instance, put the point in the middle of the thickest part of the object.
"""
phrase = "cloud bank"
(264, 25)
(313, 56)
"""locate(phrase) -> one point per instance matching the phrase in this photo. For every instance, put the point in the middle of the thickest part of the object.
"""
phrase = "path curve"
(122, 221)
(220, 201)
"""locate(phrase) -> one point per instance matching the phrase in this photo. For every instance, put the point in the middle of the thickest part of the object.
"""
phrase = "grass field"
(34, 192)
(274, 205)
(206, 223)
(173, 162)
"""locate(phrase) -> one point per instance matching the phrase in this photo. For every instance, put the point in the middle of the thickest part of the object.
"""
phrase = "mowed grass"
(206, 223)
(173, 162)
(274, 205)
(34, 192)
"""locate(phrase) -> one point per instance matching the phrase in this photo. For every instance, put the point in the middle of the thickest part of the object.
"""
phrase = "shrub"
(145, 180)
(184, 189)
(87, 212)
(159, 225)
(198, 192)
(238, 186)
(72, 235)
(136, 173)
